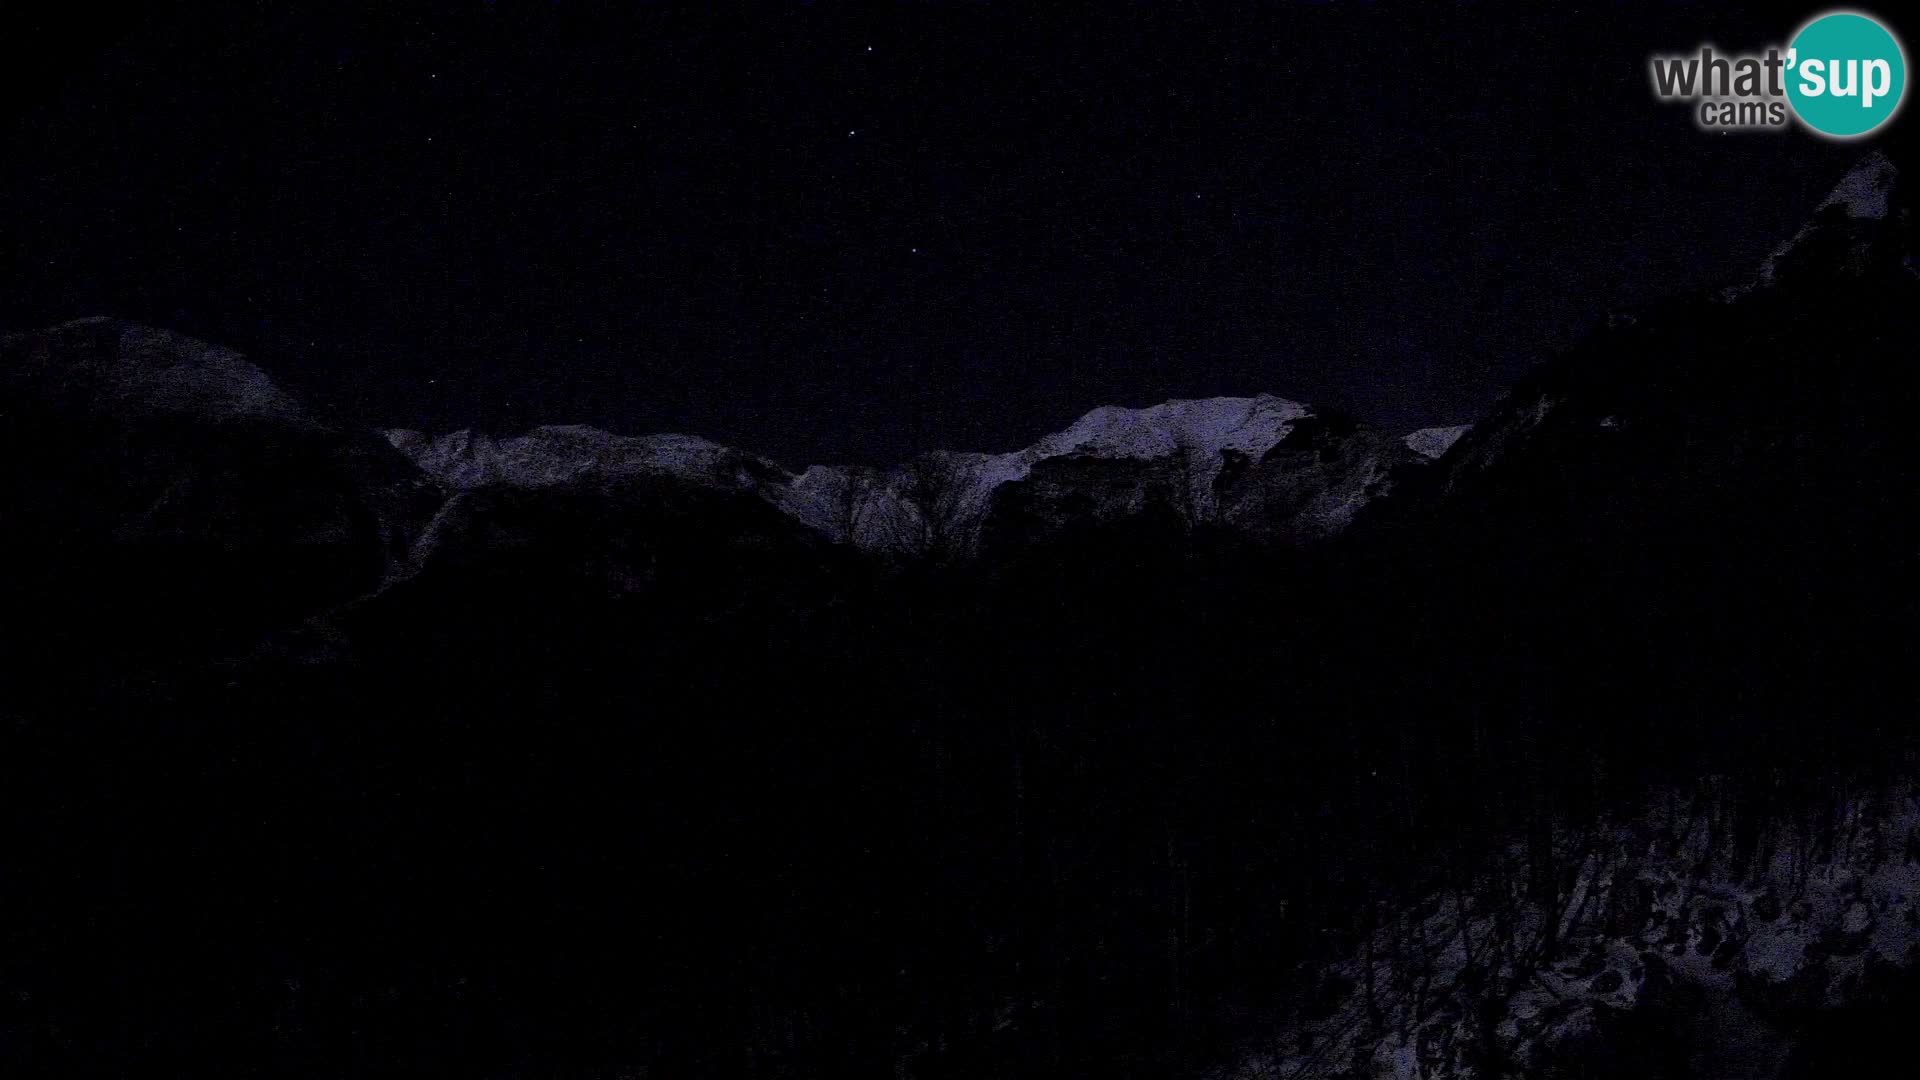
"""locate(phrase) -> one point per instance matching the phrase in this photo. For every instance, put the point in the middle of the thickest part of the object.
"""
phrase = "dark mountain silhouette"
(1224, 735)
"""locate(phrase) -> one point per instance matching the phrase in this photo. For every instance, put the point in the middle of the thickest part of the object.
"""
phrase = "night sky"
(837, 232)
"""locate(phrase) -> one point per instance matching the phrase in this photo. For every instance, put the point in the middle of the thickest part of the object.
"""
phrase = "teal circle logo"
(1845, 74)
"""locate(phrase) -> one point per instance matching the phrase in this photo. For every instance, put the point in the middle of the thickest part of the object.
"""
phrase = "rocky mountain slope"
(1703, 517)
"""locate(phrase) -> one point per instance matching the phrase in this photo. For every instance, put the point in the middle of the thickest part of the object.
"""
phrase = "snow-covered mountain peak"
(1200, 431)
(1251, 425)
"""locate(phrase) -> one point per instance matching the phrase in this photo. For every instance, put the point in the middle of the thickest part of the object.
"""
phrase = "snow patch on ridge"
(1863, 195)
(1432, 442)
(1863, 191)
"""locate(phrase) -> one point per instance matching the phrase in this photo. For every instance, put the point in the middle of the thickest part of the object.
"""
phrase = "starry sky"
(849, 232)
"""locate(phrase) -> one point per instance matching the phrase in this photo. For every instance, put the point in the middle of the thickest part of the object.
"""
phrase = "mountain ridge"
(940, 501)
